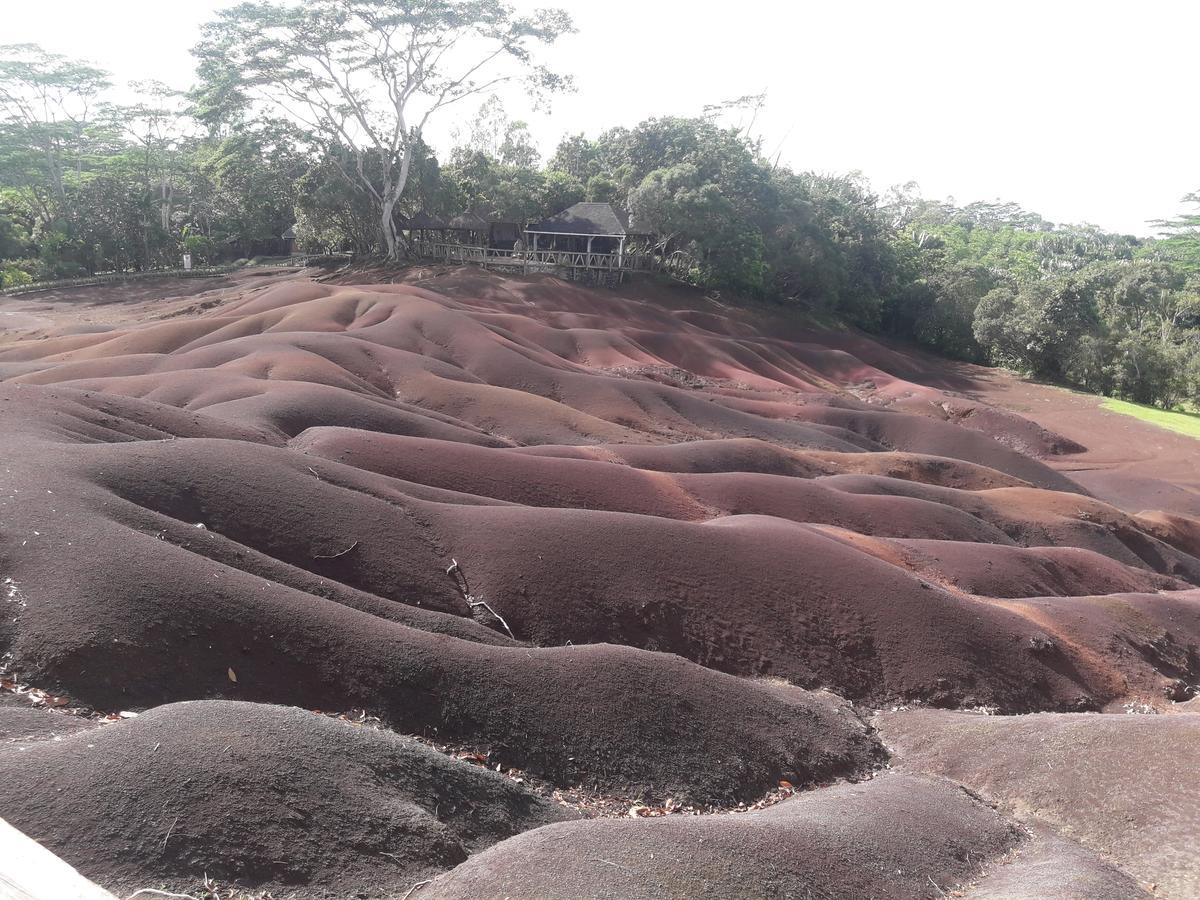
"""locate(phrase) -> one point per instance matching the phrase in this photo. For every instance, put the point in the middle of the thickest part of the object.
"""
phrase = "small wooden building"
(477, 229)
(591, 241)
(289, 240)
(423, 226)
(470, 228)
(583, 228)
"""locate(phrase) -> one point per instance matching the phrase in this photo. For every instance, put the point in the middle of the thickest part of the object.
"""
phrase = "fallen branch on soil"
(419, 884)
(613, 864)
(158, 893)
(335, 555)
(460, 581)
(477, 603)
(168, 836)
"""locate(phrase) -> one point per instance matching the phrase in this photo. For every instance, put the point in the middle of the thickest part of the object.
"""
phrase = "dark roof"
(505, 231)
(469, 221)
(587, 218)
(423, 221)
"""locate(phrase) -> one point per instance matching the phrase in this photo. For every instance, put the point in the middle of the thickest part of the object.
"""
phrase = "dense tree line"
(89, 186)
(1107, 313)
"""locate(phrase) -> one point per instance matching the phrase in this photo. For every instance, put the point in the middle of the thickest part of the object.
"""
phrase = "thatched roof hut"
(587, 220)
(584, 227)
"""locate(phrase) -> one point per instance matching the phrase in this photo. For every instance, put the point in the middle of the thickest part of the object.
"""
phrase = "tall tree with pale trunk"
(46, 106)
(370, 74)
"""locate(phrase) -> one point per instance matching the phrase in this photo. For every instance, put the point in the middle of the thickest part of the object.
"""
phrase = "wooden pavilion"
(419, 225)
(591, 241)
(470, 228)
(584, 228)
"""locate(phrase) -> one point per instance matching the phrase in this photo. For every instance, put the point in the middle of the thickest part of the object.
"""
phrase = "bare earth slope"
(632, 552)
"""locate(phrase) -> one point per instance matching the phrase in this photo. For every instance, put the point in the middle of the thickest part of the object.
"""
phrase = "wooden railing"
(537, 260)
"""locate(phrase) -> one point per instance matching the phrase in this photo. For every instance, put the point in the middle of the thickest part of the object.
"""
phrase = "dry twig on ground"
(460, 581)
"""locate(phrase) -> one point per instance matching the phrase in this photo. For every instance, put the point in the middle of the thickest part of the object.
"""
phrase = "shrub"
(11, 276)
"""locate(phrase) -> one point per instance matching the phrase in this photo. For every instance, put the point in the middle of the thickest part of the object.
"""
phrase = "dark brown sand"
(636, 547)
(1122, 785)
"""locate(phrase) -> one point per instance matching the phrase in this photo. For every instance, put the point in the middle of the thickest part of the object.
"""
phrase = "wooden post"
(621, 253)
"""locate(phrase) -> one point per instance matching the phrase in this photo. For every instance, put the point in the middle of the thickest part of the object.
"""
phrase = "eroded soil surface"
(449, 585)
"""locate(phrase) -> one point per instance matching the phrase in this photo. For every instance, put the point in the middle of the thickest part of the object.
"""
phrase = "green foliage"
(12, 275)
(602, 189)
(1181, 238)
(333, 212)
(1182, 421)
(1104, 312)
(939, 307)
(130, 187)
(16, 238)
(1037, 327)
(244, 185)
(366, 76)
(1148, 371)
(201, 248)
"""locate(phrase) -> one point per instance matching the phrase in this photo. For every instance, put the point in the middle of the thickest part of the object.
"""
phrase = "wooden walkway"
(536, 260)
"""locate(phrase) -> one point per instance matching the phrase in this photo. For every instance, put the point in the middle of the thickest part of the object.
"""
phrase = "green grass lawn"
(1184, 422)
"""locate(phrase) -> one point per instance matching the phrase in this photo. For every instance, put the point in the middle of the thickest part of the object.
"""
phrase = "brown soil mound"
(568, 530)
(1122, 785)
(590, 484)
(263, 795)
(991, 570)
(1049, 867)
(896, 836)
(1049, 519)
(1007, 428)
(748, 455)
(1131, 464)
(240, 559)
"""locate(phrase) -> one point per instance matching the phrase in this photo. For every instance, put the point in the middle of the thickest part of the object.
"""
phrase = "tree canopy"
(366, 76)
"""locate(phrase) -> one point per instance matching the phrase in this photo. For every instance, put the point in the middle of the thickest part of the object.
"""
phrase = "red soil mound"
(589, 553)
(588, 484)
(1048, 519)
(1134, 493)
(490, 511)
(997, 571)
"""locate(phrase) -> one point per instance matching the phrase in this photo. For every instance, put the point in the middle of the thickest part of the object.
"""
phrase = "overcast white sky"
(1082, 111)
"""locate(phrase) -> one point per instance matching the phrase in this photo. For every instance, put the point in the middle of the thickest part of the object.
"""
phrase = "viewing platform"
(585, 242)
(525, 261)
